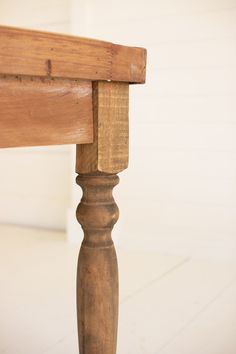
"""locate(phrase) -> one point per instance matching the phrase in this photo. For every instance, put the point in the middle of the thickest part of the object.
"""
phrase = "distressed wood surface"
(37, 112)
(34, 53)
(109, 151)
(97, 165)
(57, 89)
(97, 276)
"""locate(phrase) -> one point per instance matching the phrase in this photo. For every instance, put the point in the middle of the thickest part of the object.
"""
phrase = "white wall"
(48, 15)
(179, 193)
(35, 182)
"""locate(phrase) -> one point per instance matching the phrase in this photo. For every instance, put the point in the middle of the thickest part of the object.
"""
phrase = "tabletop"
(46, 84)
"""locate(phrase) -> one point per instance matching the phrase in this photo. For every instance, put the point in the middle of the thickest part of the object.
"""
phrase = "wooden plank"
(45, 112)
(26, 52)
(109, 151)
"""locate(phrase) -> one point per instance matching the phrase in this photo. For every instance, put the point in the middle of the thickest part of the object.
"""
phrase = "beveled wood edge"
(37, 53)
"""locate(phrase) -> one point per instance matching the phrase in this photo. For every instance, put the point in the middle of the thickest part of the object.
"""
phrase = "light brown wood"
(57, 89)
(45, 112)
(109, 151)
(97, 165)
(97, 277)
(34, 53)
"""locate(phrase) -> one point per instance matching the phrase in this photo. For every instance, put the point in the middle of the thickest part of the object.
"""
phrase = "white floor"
(169, 304)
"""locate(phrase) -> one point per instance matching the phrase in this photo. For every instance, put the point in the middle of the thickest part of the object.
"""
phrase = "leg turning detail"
(97, 276)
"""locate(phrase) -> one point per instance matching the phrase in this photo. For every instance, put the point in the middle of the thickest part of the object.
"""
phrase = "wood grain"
(97, 165)
(44, 112)
(97, 277)
(34, 53)
(109, 151)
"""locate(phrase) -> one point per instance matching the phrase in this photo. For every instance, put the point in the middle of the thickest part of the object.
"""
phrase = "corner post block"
(97, 165)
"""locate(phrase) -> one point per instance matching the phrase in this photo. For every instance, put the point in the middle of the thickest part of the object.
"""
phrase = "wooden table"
(57, 89)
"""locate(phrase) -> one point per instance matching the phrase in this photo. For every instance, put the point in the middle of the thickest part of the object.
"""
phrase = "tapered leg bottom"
(97, 276)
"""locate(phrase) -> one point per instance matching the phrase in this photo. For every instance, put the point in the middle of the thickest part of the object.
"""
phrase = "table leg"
(97, 277)
(97, 165)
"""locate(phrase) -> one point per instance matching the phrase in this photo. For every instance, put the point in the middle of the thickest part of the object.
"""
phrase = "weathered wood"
(34, 53)
(109, 151)
(97, 277)
(45, 112)
(47, 97)
(97, 165)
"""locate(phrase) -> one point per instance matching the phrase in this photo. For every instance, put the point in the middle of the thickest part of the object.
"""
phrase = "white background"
(179, 193)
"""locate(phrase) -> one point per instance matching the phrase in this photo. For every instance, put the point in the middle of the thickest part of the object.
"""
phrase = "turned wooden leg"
(97, 165)
(97, 277)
